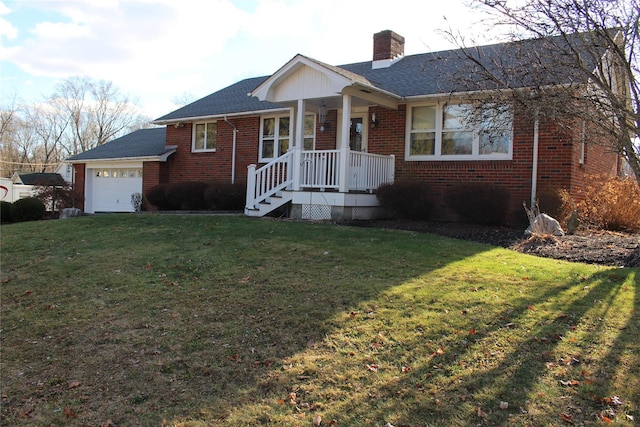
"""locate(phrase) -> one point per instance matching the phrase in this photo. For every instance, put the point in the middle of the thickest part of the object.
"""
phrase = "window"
(205, 137)
(275, 136)
(309, 132)
(118, 173)
(459, 132)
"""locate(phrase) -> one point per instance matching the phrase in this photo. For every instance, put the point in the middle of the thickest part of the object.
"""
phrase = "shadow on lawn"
(540, 368)
(185, 337)
(547, 363)
(222, 344)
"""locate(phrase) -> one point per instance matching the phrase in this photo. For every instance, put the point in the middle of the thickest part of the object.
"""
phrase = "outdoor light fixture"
(374, 121)
(322, 117)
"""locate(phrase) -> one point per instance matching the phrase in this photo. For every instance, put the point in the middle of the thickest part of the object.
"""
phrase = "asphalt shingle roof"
(141, 143)
(41, 179)
(415, 75)
(232, 99)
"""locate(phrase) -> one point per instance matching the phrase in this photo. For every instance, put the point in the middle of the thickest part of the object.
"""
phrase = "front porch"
(319, 184)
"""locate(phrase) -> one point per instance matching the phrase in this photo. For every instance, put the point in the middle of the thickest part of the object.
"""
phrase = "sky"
(160, 52)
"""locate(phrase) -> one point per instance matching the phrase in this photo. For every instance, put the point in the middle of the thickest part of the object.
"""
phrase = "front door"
(357, 137)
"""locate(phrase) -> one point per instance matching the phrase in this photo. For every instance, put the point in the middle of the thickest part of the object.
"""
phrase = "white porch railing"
(319, 170)
(268, 180)
(369, 171)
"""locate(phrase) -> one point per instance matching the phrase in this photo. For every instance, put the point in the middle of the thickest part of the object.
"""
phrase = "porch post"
(251, 187)
(298, 142)
(343, 178)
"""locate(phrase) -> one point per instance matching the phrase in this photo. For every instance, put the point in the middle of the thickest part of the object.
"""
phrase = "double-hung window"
(275, 136)
(205, 137)
(459, 132)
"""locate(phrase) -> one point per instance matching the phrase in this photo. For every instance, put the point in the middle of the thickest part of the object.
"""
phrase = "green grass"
(208, 320)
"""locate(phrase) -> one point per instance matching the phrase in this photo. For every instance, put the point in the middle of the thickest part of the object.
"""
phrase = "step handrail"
(268, 180)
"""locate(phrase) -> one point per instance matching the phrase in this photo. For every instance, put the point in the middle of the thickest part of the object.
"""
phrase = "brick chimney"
(387, 47)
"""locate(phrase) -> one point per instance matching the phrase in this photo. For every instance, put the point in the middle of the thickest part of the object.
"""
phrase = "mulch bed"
(591, 247)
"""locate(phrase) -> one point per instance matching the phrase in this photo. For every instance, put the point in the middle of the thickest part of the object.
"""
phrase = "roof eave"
(155, 158)
(220, 116)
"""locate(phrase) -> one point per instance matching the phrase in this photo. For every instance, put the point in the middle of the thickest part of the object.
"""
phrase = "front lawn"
(174, 320)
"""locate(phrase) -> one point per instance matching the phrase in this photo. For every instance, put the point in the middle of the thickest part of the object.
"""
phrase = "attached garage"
(109, 187)
(113, 171)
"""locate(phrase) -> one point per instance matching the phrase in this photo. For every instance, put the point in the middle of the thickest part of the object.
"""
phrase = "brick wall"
(557, 161)
(79, 184)
(186, 165)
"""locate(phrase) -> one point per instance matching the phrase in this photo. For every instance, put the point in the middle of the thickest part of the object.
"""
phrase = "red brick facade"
(559, 155)
(79, 186)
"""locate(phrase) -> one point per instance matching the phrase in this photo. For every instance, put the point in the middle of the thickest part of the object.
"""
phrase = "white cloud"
(158, 49)
(60, 30)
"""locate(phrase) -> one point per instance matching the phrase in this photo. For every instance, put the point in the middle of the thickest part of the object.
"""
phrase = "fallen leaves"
(73, 384)
(372, 367)
(566, 418)
(68, 412)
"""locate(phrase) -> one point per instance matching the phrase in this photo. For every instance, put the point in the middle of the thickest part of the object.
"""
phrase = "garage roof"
(143, 143)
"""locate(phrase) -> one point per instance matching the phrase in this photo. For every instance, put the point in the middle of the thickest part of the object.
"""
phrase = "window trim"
(193, 137)
(438, 132)
(276, 136)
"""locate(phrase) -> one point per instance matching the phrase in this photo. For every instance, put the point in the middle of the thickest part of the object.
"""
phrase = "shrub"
(156, 197)
(28, 209)
(479, 203)
(550, 202)
(226, 196)
(406, 199)
(55, 197)
(186, 195)
(136, 202)
(607, 203)
(5, 212)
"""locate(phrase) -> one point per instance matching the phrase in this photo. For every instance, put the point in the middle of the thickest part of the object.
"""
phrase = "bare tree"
(49, 127)
(96, 110)
(8, 153)
(80, 115)
(579, 62)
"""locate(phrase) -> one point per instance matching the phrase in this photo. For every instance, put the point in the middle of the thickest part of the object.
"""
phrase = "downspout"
(534, 170)
(233, 151)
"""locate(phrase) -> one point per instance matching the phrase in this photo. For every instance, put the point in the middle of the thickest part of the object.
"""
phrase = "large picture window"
(275, 136)
(459, 132)
(205, 136)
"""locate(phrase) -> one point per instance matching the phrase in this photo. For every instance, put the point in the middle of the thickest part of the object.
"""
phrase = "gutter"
(218, 116)
(160, 157)
(233, 150)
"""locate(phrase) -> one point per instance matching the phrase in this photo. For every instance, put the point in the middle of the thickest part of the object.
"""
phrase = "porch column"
(298, 142)
(343, 177)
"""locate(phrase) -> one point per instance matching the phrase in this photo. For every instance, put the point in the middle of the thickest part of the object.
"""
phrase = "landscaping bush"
(406, 199)
(5, 212)
(479, 203)
(28, 209)
(226, 196)
(136, 202)
(156, 197)
(186, 195)
(55, 197)
(607, 203)
(550, 202)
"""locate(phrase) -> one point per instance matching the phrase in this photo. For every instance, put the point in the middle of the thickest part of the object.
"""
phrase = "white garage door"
(111, 189)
